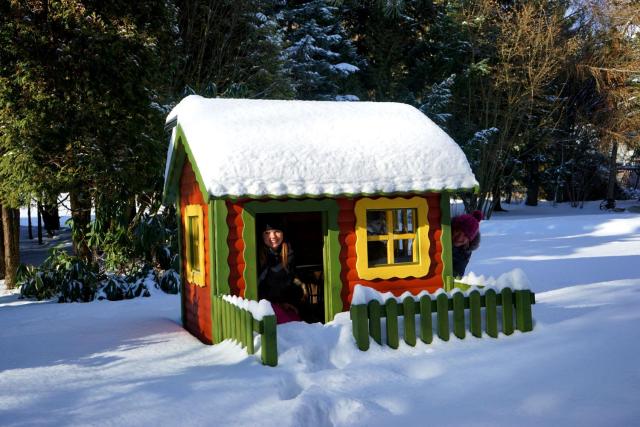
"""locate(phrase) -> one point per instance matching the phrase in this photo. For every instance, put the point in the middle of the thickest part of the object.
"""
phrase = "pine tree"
(320, 57)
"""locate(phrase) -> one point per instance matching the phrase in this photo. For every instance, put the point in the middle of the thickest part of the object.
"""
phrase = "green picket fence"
(515, 315)
(235, 323)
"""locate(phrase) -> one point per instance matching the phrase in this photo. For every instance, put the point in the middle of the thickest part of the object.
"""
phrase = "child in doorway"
(465, 236)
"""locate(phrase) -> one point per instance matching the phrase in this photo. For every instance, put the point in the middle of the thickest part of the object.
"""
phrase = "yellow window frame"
(194, 240)
(421, 261)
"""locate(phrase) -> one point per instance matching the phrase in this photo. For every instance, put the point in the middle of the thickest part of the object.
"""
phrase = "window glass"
(402, 250)
(194, 243)
(376, 222)
(377, 253)
(403, 221)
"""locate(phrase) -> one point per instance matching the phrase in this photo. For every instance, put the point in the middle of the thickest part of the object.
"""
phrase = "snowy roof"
(245, 147)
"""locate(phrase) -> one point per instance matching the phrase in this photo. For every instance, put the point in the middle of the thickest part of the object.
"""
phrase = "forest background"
(542, 97)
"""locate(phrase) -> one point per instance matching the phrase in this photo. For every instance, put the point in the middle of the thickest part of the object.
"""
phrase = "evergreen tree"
(232, 49)
(320, 57)
(78, 83)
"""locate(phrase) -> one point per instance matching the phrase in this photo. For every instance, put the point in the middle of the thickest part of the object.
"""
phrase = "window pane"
(403, 250)
(194, 243)
(376, 223)
(377, 253)
(404, 221)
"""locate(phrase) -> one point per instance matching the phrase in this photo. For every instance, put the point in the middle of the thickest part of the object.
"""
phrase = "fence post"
(375, 329)
(360, 326)
(248, 330)
(524, 321)
(426, 334)
(475, 318)
(442, 304)
(391, 307)
(507, 311)
(458, 315)
(269, 341)
(409, 306)
(491, 313)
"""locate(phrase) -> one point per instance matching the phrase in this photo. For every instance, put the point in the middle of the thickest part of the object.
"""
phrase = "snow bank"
(264, 147)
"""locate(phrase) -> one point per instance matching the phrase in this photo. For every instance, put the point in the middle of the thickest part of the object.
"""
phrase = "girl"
(277, 280)
(465, 236)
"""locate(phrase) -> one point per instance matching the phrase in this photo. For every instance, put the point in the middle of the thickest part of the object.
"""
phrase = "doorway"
(305, 234)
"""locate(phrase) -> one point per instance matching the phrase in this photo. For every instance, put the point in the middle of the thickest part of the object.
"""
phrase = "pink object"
(283, 315)
(469, 224)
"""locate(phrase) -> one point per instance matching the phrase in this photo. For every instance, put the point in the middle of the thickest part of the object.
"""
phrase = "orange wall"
(349, 275)
(196, 300)
(347, 238)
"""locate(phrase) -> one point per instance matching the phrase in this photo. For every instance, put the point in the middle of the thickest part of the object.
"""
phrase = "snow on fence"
(237, 319)
(370, 307)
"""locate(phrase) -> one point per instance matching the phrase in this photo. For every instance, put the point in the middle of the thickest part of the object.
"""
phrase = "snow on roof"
(248, 147)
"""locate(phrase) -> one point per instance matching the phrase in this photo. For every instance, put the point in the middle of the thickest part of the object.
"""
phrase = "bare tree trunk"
(613, 170)
(533, 183)
(11, 251)
(39, 223)
(81, 214)
(29, 220)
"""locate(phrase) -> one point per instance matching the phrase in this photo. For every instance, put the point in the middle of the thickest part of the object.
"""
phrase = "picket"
(491, 313)
(409, 308)
(475, 314)
(507, 311)
(375, 327)
(391, 308)
(426, 334)
(524, 320)
(442, 304)
(458, 315)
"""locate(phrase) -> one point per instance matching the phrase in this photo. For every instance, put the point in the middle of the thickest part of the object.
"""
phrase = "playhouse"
(362, 186)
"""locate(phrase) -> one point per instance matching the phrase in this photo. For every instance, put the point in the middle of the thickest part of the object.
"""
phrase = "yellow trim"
(421, 261)
(195, 274)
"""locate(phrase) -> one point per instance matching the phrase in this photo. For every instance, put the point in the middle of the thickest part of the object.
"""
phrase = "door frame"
(331, 248)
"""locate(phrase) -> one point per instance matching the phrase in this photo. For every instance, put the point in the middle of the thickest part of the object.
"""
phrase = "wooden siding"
(196, 300)
(236, 248)
(349, 275)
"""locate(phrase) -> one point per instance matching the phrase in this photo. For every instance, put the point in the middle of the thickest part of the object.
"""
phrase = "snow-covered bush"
(71, 280)
(170, 281)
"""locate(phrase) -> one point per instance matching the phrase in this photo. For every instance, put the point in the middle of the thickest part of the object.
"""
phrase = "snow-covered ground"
(130, 362)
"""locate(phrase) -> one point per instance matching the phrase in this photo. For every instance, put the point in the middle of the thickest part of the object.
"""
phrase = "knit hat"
(271, 222)
(469, 224)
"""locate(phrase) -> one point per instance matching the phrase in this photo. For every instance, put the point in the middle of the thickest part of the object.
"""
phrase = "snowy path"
(130, 363)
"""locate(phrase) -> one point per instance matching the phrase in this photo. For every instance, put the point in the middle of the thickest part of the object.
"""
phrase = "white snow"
(262, 147)
(258, 309)
(130, 362)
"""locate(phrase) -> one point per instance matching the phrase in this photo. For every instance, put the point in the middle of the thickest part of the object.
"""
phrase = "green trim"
(172, 183)
(222, 272)
(182, 281)
(445, 237)
(250, 273)
(332, 267)
(236, 197)
(212, 269)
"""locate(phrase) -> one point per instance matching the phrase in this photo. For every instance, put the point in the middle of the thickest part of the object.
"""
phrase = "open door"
(304, 231)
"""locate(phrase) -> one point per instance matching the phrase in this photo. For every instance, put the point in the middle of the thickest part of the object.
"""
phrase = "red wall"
(349, 275)
(347, 238)
(196, 300)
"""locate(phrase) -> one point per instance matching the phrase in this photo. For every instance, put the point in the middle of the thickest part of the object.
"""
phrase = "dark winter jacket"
(462, 255)
(275, 282)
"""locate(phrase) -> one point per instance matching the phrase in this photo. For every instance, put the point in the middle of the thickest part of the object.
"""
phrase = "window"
(194, 239)
(392, 238)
